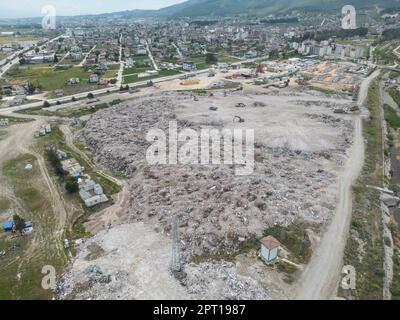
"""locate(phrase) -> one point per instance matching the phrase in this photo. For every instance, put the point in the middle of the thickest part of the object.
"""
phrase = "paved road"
(320, 278)
(83, 95)
(151, 57)
(178, 50)
(107, 90)
(121, 65)
(82, 63)
(14, 61)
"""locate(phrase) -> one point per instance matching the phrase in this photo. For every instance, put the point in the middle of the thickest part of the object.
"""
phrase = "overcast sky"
(32, 8)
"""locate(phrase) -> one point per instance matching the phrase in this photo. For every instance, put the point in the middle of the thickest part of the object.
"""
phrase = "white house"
(4, 122)
(269, 248)
(91, 193)
(189, 66)
(94, 78)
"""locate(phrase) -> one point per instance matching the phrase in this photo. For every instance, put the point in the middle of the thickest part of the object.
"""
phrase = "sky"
(33, 8)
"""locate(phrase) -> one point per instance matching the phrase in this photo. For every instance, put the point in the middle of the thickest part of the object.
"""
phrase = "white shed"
(269, 248)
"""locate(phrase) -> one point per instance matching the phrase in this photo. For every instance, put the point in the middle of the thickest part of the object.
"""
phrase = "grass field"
(129, 71)
(224, 56)
(324, 90)
(12, 39)
(4, 55)
(12, 119)
(392, 117)
(27, 261)
(51, 79)
(162, 73)
(140, 58)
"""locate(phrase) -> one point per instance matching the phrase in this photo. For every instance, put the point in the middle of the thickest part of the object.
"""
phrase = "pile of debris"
(217, 209)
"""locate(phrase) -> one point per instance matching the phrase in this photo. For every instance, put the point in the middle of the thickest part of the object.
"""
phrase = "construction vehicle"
(238, 119)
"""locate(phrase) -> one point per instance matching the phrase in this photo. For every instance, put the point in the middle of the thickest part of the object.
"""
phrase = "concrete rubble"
(299, 151)
(290, 182)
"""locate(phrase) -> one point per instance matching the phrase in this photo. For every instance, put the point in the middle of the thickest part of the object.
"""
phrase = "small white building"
(59, 93)
(73, 81)
(91, 193)
(189, 66)
(269, 248)
(4, 122)
(94, 78)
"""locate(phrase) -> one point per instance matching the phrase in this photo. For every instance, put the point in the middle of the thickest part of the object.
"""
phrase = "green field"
(51, 79)
(129, 71)
(29, 258)
(3, 55)
(224, 56)
(140, 58)
(162, 73)
(12, 39)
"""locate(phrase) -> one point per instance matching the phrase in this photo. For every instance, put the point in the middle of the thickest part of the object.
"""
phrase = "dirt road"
(320, 278)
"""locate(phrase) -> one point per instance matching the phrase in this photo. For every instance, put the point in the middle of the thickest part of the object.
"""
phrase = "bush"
(71, 185)
(56, 163)
(19, 223)
(211, 58)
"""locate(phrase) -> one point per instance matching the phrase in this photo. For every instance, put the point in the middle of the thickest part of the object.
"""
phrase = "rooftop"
(270, 242)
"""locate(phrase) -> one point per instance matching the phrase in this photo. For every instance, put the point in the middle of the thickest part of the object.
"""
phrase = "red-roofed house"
(269, 248)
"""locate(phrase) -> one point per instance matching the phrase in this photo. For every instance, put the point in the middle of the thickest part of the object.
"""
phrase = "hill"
(197, 8)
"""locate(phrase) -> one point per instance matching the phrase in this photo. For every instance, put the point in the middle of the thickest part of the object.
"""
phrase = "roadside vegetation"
(12, 119)
(393, 121)
(70, 113)
(364, 249)
(395, 94)
(324, 90)
(391, 117)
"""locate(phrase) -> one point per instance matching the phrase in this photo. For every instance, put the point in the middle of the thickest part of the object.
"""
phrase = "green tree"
(19, 223)
(211, 58)
(274, 54)
(56, 163)
(71, 185)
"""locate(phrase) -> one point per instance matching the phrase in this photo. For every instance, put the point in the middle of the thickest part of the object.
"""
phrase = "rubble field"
(300, 147)
(111, 265)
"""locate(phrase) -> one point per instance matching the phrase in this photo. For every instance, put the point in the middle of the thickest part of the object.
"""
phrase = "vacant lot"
(51, 79)
(21, 269)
